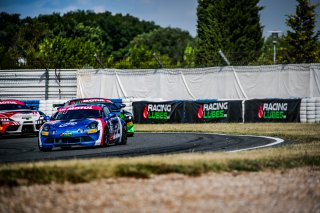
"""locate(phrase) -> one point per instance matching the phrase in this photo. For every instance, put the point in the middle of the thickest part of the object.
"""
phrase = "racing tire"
(106, 141)
(130, 134)
(124, 135)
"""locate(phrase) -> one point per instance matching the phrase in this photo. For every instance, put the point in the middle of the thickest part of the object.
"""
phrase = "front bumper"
(11, 128)
(48, 140)
(130, 128)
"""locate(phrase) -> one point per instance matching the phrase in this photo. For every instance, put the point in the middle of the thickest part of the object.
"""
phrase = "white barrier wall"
(318, 110)
(310, 110)
(33, 84)
(240, 82)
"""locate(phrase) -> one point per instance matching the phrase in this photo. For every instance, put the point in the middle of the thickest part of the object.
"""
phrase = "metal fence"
(41, 84)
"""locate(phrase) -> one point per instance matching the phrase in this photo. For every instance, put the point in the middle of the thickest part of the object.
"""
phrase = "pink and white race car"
(17, 118)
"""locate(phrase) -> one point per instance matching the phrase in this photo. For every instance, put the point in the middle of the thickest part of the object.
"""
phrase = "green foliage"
(68, 41)
(232, 26)
(267, 52)
(167, 41)
(303, 44)
(61, 52)
(123, 41)
(9, 25)
(189, 56)
(140, 57)
(26, 46)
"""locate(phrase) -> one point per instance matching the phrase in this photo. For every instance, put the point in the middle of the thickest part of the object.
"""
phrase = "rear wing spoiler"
(58, 105)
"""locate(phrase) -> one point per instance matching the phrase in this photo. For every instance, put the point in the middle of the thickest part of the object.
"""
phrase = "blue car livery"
(82, 125)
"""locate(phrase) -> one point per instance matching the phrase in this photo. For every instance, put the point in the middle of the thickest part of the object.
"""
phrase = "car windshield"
(12, 106)
(77, 114)
(111, 106)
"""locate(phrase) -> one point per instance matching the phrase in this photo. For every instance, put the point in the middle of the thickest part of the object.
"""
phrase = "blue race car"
(113, 107)
(82, 125)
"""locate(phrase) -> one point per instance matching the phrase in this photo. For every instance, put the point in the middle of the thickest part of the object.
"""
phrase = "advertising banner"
(158, 112)
(213, 111)
(272, 110)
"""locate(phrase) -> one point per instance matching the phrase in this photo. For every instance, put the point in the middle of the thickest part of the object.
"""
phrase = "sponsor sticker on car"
(66, 134)
(45, 133)
(90, 131)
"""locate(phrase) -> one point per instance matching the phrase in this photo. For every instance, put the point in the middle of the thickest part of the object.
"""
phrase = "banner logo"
(273, 111)
(145, 112)
(213, 110)
(200, 112)
(157, 111)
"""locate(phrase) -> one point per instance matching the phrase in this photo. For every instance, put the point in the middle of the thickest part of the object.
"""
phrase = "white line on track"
(276, 140)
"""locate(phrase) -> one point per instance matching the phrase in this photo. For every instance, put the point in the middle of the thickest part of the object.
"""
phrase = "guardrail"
(38, 84)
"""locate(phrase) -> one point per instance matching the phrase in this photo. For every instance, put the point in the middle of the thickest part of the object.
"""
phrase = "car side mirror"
(122, 105)
(46, 118)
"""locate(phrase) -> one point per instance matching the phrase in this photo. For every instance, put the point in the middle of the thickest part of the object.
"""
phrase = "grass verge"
(304, 153)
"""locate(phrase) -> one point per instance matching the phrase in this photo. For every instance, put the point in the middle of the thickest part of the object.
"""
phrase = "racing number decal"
(115, 128)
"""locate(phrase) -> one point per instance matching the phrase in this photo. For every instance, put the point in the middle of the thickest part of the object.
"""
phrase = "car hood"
(70, 124)
(20, 114)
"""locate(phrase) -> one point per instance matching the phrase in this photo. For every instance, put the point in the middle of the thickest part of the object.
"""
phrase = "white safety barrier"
(303, 111)
(310, 110)
(240, 82)
(318, 110)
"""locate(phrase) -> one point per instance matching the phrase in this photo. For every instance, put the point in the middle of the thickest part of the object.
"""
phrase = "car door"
(113, 123)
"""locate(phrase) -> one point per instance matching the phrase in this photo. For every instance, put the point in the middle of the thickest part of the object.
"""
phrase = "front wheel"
(106, 138)
(124, 135)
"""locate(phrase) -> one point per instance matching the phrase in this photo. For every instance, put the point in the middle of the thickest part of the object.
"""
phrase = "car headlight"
(5, 119)
(46, 128)
(93, 125)
(127, 116)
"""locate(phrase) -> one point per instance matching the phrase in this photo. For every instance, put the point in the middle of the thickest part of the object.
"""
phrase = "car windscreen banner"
(272, 110)
(158, 112)
(213, 111)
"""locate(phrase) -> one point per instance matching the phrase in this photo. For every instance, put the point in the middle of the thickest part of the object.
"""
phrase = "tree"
(167, 41)
(267, 51)
(27, 40)
(9, 26)
(60, 52)
(302, 41)
(119, 30)
(232, 26)
(189, 56)
(139, 57)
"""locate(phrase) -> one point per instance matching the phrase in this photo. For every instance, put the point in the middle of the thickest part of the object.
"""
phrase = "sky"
(166, 13)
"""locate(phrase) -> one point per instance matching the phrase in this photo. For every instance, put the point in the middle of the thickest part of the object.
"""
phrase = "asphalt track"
(25, 148)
